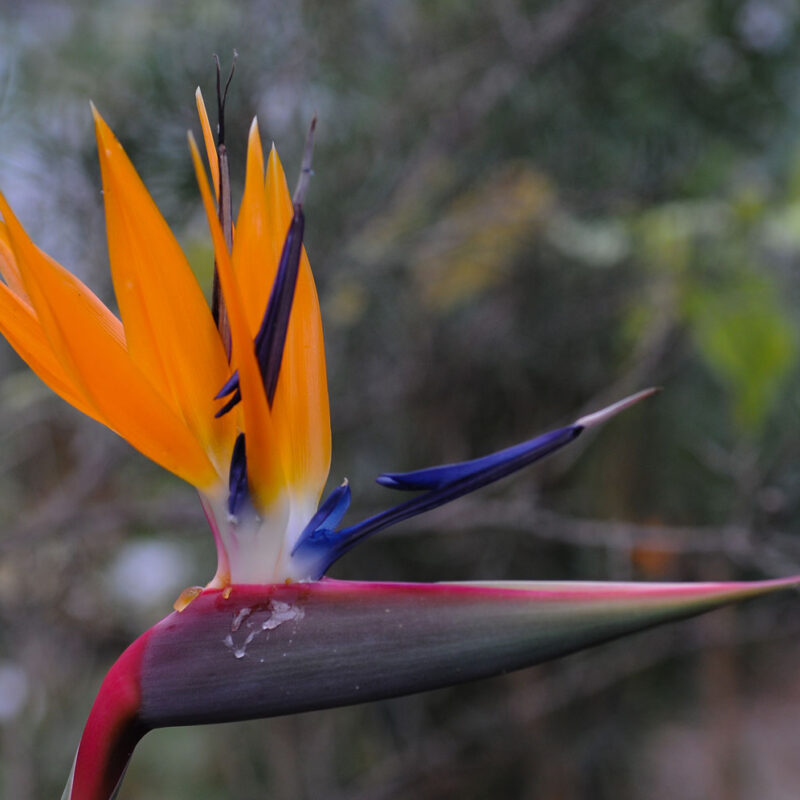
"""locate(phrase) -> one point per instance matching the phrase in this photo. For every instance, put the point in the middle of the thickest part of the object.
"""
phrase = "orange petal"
(169, 329)
(208, 140)
(264, 467)
(18, 324)
(253, 252)
(8, 266)
(300, 407)
(87, 339)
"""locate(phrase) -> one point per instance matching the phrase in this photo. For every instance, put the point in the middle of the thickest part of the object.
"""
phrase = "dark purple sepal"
(279, 649)
(271, 335)
(262, 651)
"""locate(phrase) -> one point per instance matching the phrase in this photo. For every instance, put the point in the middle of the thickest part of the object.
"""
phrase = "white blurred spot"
(148, 573)
(13, 690)
(766, 25)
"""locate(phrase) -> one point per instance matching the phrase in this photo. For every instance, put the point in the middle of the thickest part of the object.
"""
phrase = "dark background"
(521, 211)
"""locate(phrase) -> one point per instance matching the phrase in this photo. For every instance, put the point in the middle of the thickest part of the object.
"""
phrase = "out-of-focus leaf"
(409, 209)
(782, 229)
(747, 339)
(666, 233)
(473, 243)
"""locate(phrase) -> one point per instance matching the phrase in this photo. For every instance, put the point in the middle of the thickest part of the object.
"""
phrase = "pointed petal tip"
(305, 169)
(103, 133)
(599, 417)
(98, 120)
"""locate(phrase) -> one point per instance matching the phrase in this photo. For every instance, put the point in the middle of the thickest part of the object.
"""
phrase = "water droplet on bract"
(240, 617)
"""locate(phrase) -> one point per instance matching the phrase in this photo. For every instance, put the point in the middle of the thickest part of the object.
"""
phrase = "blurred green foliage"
(521, 210)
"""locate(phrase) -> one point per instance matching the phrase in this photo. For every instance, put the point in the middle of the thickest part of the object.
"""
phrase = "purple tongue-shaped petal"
(499, 464)
(320, 545)
(508, 460)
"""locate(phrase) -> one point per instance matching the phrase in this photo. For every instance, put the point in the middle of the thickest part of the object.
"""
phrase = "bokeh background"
(521, 211)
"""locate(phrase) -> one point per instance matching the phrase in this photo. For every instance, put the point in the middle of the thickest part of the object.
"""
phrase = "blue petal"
(230, 404)
(326, 519)
(230, 386)
(238, 491)
(323, 545)
(439, 477)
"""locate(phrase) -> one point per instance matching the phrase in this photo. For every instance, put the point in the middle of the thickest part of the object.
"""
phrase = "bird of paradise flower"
(234, 399)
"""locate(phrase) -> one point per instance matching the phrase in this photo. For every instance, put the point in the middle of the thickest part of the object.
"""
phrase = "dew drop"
(240, 617)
